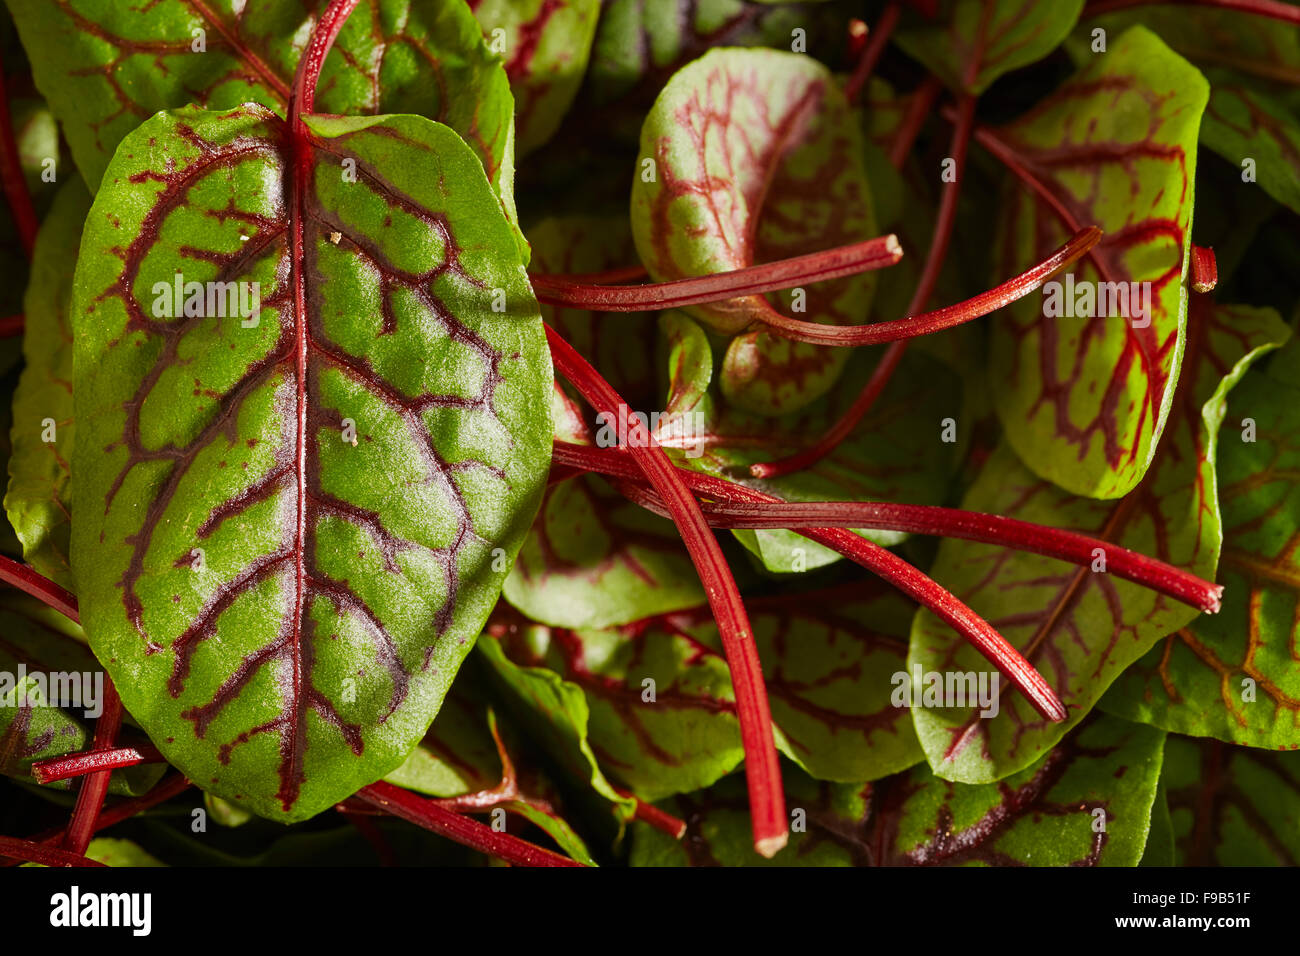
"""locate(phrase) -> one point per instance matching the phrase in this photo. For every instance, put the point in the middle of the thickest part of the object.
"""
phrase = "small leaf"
(752, 156)
(38, 501)
(1232, 806)
(544, 45)
(1232, 675)
(290, 518)
(1080, 626)
(888, 457)
(1084, 399)
(112, 851)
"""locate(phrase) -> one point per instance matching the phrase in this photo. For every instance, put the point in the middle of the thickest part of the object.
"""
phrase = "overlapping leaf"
(545, 45)
(295, 518)
(38, 501)
(1232, 806)
(1079, 626)
(1084, 399)
(1086, 803)
(751, 156)
(973, 42)
(105, 67)
(1233, 676)
(464, 755)
(1253, 65)
(662, 714)
(889, 457)
(51, 689)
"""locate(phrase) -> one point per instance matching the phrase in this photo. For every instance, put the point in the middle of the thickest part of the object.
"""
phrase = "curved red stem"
(425, 813)
(762, 769)
(1273, 9)
(11, 172)
(43, 854)
(28, 580)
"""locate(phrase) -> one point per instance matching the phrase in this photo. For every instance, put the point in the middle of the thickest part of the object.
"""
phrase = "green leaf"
(544, 45)
(1232, 675)
(973, 42)
(1084, 399)
(561, 711)
(1159, 850)
(1245, 124)
(1048, 815)
(116, 852)
(662, 712)
(1232, 806)
(283, 610)
(1080, 626)
(889, 457)
(38, 501)
(105, 67)
(752, 156)
(464, 753)
(51, 689)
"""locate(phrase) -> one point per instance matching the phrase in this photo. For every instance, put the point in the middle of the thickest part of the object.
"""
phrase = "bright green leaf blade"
(1083, 387)
(38, 501)
(283, 610)
(112, 851)
(1081, 626)
(973, 42)
(1233, 675)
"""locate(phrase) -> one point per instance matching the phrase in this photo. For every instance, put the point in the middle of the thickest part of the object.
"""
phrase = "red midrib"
(278, 86)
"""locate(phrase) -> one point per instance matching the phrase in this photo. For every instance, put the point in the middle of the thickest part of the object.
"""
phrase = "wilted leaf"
(289, 519)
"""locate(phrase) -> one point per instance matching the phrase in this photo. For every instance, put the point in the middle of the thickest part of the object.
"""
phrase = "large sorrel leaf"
(751, 156)
(38, 501)
(293, 525)
(105, 67)
(1084, 399)
(43, 655)
(662, 712)
(544, 45)
(973, 42)
(1052, 814)
(1232, 806)
(1081, 627)
(1233, 676)
(1253, 65)
(888, 458)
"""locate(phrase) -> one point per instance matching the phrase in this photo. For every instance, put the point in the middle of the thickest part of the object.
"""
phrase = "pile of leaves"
(576, 432)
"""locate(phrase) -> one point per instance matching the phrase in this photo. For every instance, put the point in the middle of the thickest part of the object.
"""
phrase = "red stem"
(25, 579)
(31, 852)
(920, 587)
(918, 108)
(1205, 269)
(11, 326)
(651, 815)
(934, 260)
(94, 788)
(11, 171)
(998, 530)
(461, 829)
(1274, 9)
(834, 263)
(762, 769)
(89, 761)
(302, 98)
(877, 39)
